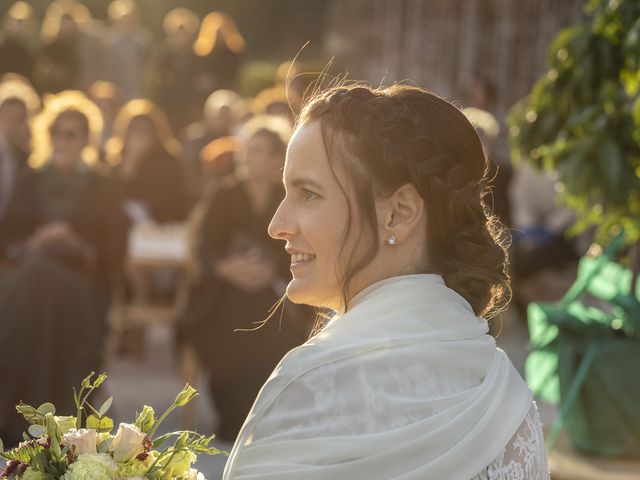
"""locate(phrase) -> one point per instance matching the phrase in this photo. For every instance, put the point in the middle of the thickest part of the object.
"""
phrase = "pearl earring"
(392, 240)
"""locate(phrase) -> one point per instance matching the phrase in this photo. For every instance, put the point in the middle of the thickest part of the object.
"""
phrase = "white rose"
(84, 440)
(127, 444)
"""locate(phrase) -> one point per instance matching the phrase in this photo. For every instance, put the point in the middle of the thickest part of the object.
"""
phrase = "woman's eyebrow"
(304, 181)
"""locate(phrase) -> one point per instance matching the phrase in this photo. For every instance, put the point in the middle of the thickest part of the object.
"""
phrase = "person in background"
(544, 259)
(175, 69)
(242, 276)
(482, 96)
(218, 48)
(18, 102)
(216, 160)
(58, 66)
(218, 120)
(109, 100)
(64, 236)
(274, 101)
(295, 81)
(91, 33)
(17, 54)
(144, 153)
(128, 47)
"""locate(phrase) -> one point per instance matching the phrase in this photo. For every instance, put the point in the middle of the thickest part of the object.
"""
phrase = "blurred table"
(152, 249)
(567, 464)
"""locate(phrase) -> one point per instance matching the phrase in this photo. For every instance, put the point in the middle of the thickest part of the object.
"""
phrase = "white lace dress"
(524, 458)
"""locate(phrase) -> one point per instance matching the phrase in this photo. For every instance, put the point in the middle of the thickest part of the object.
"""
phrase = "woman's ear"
(401, 214)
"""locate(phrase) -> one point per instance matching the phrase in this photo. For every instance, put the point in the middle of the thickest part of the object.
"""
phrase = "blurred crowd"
(102, 130)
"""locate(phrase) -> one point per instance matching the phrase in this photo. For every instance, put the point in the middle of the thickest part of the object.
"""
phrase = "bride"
(384, 220)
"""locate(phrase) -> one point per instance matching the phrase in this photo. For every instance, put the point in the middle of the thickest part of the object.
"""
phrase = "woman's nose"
(280, 226)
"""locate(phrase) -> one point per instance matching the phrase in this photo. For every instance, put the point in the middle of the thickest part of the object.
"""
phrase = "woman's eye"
(308, 194)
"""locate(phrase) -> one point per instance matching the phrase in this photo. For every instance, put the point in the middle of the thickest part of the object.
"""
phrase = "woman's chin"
(299, 291)
(305, 291)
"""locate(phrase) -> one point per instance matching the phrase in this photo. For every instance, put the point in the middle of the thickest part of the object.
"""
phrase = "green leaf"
(106, 406)
(36, 431)
(1, 446)
(104, 424)
(47, 408)
(610, 161)
(103, 447)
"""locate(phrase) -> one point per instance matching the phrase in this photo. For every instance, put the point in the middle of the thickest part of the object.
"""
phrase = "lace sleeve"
(524, 458)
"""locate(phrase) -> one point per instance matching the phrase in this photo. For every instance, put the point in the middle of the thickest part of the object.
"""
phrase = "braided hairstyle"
(387, 137)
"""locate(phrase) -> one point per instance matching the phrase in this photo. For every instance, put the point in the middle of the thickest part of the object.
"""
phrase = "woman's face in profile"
(313, 218)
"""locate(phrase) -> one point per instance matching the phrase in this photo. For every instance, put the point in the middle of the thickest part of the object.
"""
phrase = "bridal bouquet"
(84, 447)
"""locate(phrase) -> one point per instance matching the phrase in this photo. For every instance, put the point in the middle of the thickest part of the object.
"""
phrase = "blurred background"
(141, 144)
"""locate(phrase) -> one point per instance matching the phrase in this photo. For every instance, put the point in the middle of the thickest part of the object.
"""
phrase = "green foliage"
(582, 118)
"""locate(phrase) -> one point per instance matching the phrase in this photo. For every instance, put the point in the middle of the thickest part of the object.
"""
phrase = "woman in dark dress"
(144, 152)
(243, 275)
(64, 236)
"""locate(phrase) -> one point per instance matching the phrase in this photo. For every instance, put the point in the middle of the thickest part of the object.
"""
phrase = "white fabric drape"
(406, 385)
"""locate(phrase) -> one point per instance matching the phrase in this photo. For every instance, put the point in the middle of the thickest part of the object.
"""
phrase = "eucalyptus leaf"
(47, 408)
(36, 430)
(103, 447)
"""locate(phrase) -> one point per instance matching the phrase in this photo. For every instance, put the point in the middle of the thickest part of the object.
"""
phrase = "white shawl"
(406, 385)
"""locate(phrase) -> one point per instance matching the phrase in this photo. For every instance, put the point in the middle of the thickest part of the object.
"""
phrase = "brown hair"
(387, 137)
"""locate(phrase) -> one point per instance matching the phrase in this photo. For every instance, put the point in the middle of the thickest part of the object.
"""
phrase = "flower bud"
(146, 419)
(185, 396)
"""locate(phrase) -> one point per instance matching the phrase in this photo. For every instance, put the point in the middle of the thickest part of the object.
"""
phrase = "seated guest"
(216, 160)
(218, 120)
(109, 100)
(64, 235)
(144, 152)
(18, 101)
(242, 275)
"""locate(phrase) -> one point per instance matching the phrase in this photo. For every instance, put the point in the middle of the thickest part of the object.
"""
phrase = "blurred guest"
(295, 81)
(218, 120)
(109, 100)
(274, 101)
(482, 96)
(91, 46)
(16, 52)
(128, 49)
(18, 101)
(244, 273)
(65, 236)
(176, 65)
(216, 160)
(144, 152)
(543, 258)
(58, 64)
(218, 49)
